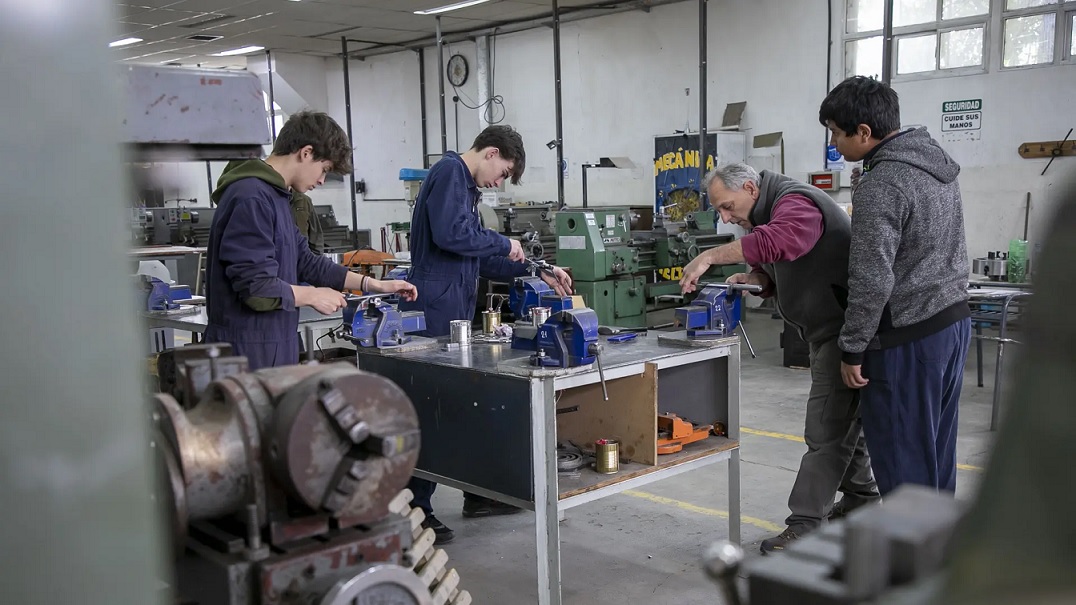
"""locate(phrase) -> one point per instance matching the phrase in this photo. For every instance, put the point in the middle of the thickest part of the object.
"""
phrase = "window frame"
(1060, 37)
(993, 52)
(1067, 31)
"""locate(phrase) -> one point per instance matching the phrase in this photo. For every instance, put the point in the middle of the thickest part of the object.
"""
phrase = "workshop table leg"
(546, 491)
(995, 410)
(733, 401)
(979, 351)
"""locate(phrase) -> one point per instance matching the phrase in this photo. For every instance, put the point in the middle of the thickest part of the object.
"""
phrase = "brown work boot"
(779, 542)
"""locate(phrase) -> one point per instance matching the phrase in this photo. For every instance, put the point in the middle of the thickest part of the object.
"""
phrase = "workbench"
(182, 262)
(490, 422)
(994, 303)
(196, 323)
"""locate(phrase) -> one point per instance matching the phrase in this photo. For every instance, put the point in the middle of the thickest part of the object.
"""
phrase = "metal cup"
(540, 314)
(460, 332)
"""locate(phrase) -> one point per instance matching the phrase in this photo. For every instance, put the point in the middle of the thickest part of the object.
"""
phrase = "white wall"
(468, 124)
(1018, 106)
(624, 77)
(306, 76)
(387, 134)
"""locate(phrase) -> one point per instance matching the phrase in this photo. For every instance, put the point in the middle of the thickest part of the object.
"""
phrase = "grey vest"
(812, 291)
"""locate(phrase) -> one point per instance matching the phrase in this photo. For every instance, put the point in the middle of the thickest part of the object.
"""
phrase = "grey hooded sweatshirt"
(908, 265)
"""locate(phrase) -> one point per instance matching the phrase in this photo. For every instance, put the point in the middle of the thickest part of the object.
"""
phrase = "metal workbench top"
(197, 322)
(164, 251)
(501, 358)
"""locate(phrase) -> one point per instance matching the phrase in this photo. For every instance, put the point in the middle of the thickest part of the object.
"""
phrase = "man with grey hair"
(797, 246)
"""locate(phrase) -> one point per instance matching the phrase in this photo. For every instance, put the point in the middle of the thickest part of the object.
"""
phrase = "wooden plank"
(588, 480)
(1045, 149)
(630, 415)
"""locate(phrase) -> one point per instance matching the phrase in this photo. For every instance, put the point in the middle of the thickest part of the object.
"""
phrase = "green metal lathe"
(622, 272)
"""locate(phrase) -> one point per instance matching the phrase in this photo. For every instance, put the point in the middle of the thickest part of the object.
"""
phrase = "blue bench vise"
(567, 339)
(373, 322)
(530, 292)
(526, 294)
(161, 296)
(715, 312)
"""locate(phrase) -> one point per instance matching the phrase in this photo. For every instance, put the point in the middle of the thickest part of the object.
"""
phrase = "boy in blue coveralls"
(257, 257)
(450, 250)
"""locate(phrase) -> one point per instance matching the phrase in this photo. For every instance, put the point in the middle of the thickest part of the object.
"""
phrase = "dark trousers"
(836, 458)
(909, 408)
(423, 491)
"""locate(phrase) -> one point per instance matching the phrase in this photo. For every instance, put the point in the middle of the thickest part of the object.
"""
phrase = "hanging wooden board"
(1045, 149)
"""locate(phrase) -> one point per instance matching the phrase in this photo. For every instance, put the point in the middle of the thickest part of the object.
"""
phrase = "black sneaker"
(442, 534)
(476, 506)
(779, 542)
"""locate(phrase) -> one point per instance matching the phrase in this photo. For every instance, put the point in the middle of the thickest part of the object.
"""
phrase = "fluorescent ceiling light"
(238, 51)
(450, 7)
(124, 42)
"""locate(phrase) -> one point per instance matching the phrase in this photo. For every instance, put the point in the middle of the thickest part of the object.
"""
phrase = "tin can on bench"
(607, 456)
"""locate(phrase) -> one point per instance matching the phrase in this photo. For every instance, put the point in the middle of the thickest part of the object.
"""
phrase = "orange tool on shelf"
(675, 432)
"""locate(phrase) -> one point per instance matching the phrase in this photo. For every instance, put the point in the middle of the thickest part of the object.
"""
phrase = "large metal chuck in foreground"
(285, 488)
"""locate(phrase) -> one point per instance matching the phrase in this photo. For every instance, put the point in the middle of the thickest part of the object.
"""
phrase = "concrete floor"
(645, 546)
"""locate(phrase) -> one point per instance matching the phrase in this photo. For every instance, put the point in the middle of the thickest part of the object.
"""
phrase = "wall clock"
(457, 70)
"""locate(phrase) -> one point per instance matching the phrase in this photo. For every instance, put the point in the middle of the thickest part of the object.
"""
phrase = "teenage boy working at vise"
(450, 250)
(257, 256)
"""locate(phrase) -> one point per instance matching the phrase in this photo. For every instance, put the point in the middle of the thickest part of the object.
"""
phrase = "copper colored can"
(607, 456)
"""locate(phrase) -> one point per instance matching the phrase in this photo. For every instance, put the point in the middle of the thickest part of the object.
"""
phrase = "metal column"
(702, 101)
(887, 41)
(422, 106)
(441, 86)
(485, 83)
(556, 93)
(209, 180)
(272, 97)
(79, 518)
(351, 140)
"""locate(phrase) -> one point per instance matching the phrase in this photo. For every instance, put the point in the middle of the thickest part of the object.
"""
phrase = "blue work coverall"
(255, 255)
(450, 249)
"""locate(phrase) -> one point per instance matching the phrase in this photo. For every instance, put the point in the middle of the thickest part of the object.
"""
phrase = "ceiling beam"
(517, 25)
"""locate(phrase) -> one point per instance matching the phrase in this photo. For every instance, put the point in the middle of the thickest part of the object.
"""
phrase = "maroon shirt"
(795, 227)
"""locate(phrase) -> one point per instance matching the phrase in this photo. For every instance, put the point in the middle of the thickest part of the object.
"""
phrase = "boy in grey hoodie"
(907, 325)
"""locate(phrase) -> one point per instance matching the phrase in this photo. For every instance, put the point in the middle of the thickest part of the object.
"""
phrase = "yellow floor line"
(798, 439)
(712, 512)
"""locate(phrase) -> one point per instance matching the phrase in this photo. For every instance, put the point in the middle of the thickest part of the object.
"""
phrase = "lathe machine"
(622, 259)
(283, 487)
